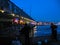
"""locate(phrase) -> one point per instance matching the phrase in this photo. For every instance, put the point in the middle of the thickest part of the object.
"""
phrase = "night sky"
(41, 10)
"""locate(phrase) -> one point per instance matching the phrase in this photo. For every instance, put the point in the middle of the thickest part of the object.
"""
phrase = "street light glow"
(13, 14)
(2, 11)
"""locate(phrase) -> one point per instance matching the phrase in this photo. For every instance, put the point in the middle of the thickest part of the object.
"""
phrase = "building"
(8, 12)
(11, 8)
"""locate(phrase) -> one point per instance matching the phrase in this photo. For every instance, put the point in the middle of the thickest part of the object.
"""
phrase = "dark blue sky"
(41, 10)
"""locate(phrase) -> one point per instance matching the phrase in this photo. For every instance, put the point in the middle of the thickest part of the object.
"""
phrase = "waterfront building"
(8, 13)
(12, 9)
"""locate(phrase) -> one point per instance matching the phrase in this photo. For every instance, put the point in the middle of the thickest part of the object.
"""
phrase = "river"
(45, 30)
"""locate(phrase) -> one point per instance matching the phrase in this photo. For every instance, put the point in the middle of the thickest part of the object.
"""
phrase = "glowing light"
(22, 22)
(2, 11)
(13, 14)
(34, 23)
(58, 23)
(15, 20)
(35, 27)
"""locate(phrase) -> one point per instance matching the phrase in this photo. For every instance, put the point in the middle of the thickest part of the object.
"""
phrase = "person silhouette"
(25, 33)
(54, 31)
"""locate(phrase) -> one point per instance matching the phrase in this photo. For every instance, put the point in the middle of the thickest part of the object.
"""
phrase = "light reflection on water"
(45, 30)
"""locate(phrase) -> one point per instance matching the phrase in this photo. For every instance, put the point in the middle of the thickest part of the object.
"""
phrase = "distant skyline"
(41, 10)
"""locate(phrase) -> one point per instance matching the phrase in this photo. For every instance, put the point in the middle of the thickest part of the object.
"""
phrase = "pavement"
(46, 40)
